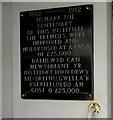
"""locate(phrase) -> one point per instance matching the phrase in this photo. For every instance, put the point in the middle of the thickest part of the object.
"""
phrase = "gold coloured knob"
(96, 108)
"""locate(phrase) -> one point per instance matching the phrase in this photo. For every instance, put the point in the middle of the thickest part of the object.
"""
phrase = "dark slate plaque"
(57, 53)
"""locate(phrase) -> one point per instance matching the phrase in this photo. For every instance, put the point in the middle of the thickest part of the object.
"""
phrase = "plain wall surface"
(7, 61)
(0, 60)
(14, 106)
(66, 109)
(109, 64)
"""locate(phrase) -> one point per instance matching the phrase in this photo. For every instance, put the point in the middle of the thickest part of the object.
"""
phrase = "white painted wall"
(7, 61)
(0, 60)
(64, 109)
(14, 106)
(109, 63)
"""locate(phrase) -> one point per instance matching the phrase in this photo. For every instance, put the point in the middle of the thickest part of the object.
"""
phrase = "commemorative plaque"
(56, 47)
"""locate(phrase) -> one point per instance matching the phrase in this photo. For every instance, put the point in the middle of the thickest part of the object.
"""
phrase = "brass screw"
(22, 15)
(87, 8)
(23, 95)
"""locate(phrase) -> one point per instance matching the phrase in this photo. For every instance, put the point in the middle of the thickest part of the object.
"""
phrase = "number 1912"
(75, 9)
